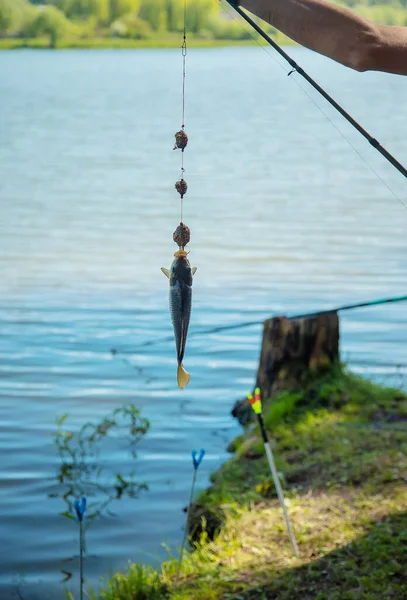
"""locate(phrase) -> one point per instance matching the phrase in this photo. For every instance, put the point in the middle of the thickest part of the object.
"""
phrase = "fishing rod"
(115, 351)
(353, 306)
(296, 68)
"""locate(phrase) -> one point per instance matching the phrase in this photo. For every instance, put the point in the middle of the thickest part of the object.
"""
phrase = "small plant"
(139, 583)
(81, 473)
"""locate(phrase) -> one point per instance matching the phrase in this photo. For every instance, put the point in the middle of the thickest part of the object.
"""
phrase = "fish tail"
(182, 376)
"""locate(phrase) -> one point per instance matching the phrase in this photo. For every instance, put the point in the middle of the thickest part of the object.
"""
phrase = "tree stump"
(293, 350)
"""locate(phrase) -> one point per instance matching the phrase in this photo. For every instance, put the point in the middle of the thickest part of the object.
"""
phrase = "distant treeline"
(148, 19)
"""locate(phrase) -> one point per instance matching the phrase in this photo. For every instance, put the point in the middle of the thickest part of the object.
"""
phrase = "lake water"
(285, 215)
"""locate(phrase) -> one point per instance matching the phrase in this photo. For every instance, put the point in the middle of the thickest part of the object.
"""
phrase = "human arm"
(337, 32)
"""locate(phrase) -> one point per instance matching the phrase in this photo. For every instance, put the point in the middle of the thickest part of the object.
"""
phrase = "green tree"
(169, 14)
(175, 15)
(199, 14)
(14, 14)
(6, 15)
(142, 18)
(155, 13)
(131, 26)
(118, 8)
(98, 10)
(51, 21)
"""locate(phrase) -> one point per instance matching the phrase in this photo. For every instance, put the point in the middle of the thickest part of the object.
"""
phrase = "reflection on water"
(82, 471)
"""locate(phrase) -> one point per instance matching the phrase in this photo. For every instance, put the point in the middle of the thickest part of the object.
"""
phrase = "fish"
(180, 278)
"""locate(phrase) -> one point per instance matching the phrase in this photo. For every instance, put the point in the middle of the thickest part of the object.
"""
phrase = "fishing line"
(297, 69)
(184, 55)
(184, 59)
(374, 426)
(291, 72)
(180, 274)
(374, 363)
(254, 38)
(181, 185)
(394, 299)
(347, 140)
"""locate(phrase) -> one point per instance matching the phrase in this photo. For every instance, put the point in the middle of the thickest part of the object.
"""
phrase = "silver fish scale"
(180, 310)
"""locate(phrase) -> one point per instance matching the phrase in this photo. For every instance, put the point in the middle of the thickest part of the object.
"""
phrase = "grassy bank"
(111, 42)
(97, 43)
(342, 454)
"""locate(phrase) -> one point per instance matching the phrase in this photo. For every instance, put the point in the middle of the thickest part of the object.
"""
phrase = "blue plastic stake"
(196, 461)
(80, 507)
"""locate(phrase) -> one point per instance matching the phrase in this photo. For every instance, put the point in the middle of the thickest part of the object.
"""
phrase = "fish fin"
(166, 272)
(183, 377)
(194, 270)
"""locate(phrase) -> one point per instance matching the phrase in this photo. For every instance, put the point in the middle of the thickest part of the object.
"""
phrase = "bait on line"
(180, 274)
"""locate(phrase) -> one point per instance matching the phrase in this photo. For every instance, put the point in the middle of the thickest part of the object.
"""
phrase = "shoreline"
(344, 479)
(123, 44)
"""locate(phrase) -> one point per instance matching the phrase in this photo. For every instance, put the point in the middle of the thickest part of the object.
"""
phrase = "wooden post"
(293, 349)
